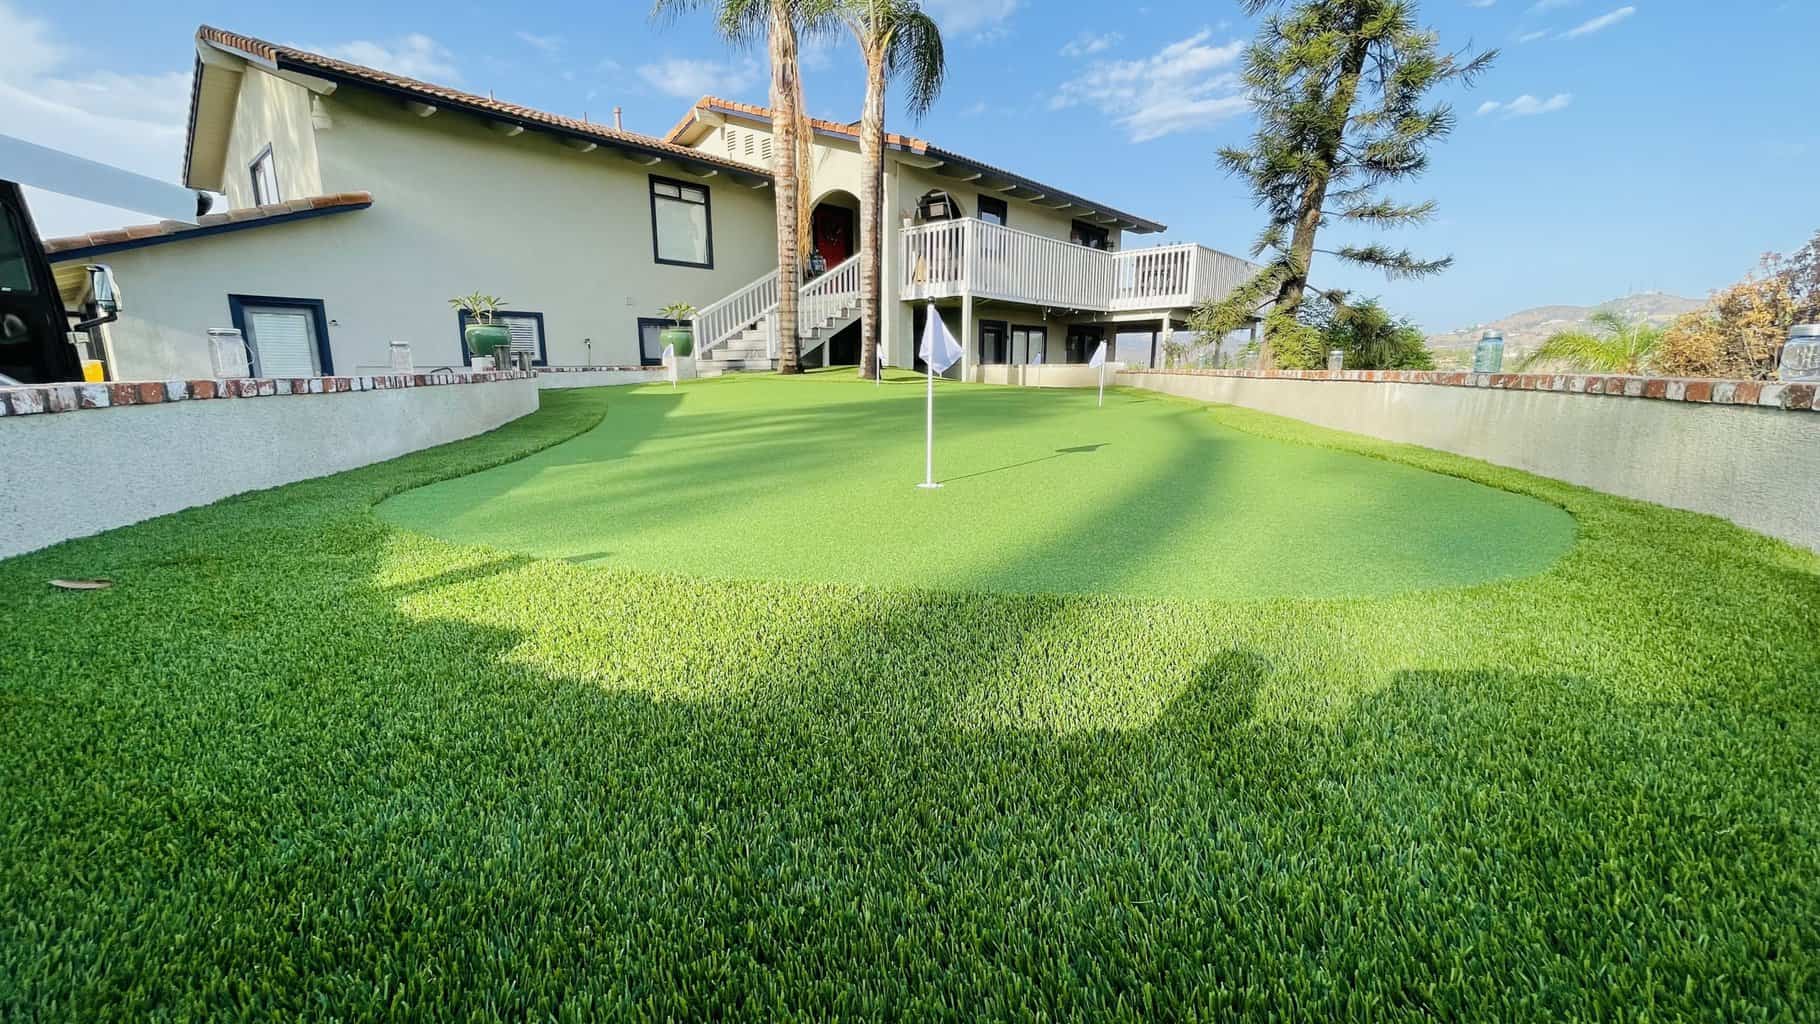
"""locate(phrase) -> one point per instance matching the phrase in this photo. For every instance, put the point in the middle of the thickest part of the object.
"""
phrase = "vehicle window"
(15, 272)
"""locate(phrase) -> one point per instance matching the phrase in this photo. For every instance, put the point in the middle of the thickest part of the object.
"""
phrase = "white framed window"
(264, 170)
(682, 224)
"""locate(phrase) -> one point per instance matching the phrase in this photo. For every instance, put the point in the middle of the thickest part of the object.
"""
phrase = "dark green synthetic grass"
(813, 478)
(301, 765)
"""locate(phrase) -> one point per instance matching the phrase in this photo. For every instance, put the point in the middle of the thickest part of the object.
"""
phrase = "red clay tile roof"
(910, 144)
(171, 230)
(288, 58)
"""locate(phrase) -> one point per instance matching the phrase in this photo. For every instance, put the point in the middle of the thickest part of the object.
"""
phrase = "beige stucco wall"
(271, 112)
(456, 208)
(1757, 467)
(72, 474)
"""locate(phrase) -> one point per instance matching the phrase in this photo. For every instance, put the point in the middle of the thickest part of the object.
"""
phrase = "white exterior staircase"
(740, 332)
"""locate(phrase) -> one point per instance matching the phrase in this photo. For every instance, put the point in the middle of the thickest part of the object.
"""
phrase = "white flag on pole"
(939, 349)
(1099, 356)
(669, 358)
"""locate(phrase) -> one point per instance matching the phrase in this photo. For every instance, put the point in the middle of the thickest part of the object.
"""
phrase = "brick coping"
(49, 398)
(602, 369)
(1758, 393)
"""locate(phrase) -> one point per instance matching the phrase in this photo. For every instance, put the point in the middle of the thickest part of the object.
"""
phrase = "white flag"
(1038, 361)
(1099, 356)
(939, 349)
(669, 356)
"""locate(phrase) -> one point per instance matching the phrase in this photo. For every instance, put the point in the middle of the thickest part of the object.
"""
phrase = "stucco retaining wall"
(80, 459)
(557, 377)
(1756, 462)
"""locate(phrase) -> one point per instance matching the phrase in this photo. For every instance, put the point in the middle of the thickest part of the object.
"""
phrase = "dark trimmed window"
(526, 329)
(994, 211)
(264, 171)
(1027, 343)
(682, 224)
(994, 342)
(1090, 235)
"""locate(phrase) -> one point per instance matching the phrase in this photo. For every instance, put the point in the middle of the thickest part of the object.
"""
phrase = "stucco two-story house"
(359, 202)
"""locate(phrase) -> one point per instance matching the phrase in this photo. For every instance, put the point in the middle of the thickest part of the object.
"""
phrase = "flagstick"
(1102, 385)
(929, 483)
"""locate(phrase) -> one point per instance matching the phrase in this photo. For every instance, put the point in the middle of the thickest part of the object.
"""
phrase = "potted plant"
(484, 337)
(680, 333)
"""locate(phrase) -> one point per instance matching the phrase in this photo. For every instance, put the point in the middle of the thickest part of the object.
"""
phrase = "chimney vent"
(618, 125)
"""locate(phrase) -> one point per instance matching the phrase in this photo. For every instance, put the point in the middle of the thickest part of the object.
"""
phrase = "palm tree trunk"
(784, 73)
(871, 210)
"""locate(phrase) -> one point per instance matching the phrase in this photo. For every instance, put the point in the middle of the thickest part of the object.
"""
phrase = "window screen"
(680, 223)
(284, 341)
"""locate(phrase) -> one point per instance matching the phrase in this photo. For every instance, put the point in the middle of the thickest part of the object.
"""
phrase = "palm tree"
(896, 38)
(1616, 344)
(741, 22)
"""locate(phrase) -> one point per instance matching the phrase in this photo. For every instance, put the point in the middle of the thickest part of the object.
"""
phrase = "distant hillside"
(1525, 331)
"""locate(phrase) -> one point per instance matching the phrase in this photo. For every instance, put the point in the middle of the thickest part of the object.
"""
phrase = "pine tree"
(1340, 91)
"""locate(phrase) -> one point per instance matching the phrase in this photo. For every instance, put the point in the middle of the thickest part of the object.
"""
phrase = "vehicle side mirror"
(102, 288)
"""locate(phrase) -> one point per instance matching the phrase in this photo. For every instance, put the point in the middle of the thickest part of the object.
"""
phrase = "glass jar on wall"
(1488, 356)
(1801, 356)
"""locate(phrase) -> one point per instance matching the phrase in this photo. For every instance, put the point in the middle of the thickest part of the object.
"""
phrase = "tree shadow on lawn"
(578, 805)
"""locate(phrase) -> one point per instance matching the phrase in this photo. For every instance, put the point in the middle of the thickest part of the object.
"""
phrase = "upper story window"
(994, 211)
(1090, 235)
(264, 170)
(682, 225)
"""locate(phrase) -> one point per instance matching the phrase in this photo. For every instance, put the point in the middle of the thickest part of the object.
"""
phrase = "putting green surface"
(814, 479)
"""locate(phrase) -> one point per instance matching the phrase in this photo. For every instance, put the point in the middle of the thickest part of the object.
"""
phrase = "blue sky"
(1618, 145)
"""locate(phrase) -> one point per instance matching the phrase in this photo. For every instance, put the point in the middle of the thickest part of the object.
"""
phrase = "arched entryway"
(834, 226)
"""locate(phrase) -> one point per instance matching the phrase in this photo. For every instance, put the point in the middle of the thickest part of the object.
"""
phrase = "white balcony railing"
(995, 262)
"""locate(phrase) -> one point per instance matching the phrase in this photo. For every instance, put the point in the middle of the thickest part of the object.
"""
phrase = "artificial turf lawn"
(299, 764)
(812, 478)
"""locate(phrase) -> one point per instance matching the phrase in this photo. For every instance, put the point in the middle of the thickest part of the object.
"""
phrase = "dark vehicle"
(35, 328)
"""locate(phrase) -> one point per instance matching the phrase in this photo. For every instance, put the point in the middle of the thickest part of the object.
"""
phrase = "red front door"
(834, 232)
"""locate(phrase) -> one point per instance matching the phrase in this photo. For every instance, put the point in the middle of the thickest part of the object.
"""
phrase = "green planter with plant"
(486, 337)
(680, 334)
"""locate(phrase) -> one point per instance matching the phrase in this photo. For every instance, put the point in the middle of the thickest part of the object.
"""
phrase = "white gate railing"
(717, 323)
(820, 302)
(829, 297)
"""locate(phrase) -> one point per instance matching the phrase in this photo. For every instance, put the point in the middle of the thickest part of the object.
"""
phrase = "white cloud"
(1481, 3)
(1186, 86)
(692, 79)
(1527, 105)
(1087, 43)
(1530, 37)
(958, 16)
(1603, 21)
(49, 96)
(548, 44)
(413, 56)
(1550, 5)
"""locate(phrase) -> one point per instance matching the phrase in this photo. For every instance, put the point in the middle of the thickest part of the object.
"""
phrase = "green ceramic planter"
(682, 337)
(487, 339)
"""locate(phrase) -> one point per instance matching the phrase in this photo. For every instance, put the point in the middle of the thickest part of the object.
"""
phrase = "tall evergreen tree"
(1340, 88)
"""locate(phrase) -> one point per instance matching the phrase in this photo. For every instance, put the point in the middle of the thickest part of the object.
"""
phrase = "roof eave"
(750, 176)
